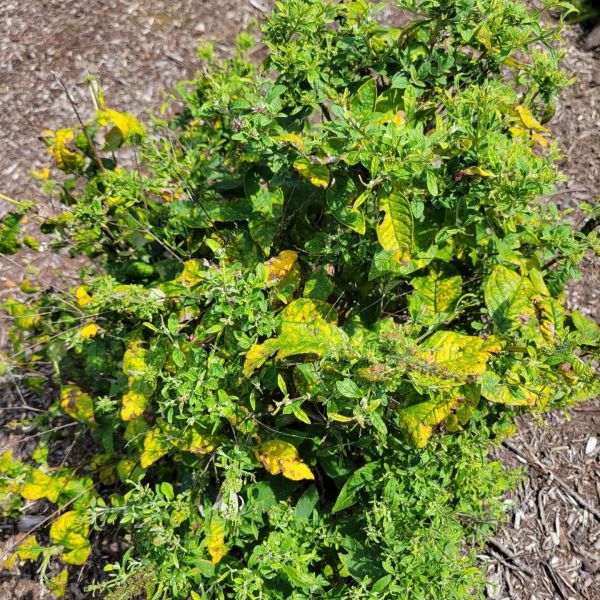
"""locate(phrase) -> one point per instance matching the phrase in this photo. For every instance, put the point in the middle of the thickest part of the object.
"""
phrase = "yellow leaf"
(127, 124)
(43, 174)
(67, 160)
(89, 331)
(215, 540)
(279, 266)
(316, 173)
(77, 404)
(291, 138)
(528, 120)
(82, 296)
(278, 456)
(540, 139)
(133, 405)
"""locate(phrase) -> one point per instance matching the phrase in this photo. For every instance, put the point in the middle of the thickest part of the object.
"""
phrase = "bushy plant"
(319, 291)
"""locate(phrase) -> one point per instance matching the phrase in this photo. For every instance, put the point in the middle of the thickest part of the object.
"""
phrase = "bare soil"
(139, 49)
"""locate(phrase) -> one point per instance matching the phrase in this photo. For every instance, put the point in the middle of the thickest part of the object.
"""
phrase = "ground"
(139, 49)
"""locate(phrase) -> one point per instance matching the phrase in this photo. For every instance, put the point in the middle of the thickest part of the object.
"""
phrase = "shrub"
(318, 293)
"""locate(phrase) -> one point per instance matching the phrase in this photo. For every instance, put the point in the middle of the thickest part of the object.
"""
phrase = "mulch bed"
(551, 546)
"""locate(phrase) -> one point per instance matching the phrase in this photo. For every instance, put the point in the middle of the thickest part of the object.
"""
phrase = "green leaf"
(348, 389)
(395, 232)
(354, 484)
(366, 96)
(339, 197)
(588, 330)
(306, 504)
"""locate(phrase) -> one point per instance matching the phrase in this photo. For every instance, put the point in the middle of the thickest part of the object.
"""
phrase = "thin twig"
(519, 564)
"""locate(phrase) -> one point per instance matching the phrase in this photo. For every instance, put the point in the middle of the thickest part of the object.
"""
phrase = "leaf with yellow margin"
(278, 456)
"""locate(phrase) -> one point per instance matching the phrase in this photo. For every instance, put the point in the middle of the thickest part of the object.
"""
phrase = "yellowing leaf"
(454, 358)
(197, 442)
(257, 355)
(89, 331)
(156, 445)
(70, 531)
(418, 420)
(134, 364)
(528, 120)
(279, 266)
(215, 540)
(77, 556)
(509, 298)
(435, 295)
(82, 296)
(308, 327)
(472, 172)
(58, 585)
(395, 232)
(514, 389)
(278, 456)
(29, 549)
(77, 404)
(38, 485)
(316, 173)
